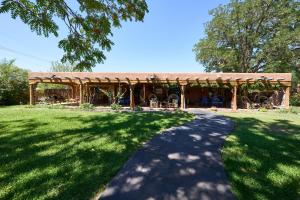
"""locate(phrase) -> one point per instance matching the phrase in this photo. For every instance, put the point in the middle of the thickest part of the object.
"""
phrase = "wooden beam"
(32, 94)
(128, 80)
(132, 103)
(68, 78)
(81, 100)
(182, 97)
(108, 80)
(88, 78)
(144, 93)
(287, 97)
(234, 98)
(98, 79)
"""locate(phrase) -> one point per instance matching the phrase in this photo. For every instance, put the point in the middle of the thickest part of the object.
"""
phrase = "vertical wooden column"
(182, 97)
(144, 94)
(81, 98)
(132, 104)
(74, 92)
(31, 94)
(287, 97)
(234, 98)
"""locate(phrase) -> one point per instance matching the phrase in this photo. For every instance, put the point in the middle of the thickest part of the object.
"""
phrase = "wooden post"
(144, 93)
(74, 92)
(234, 98)
(31, 94)
(182, 97)
(287, 97)
(81, 101)
(132, 104)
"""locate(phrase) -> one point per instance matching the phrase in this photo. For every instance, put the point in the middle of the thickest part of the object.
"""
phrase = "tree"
(66, 67)
(13, 83)
(252, 36)
(89, 24)
(58, 67)
(63, 67)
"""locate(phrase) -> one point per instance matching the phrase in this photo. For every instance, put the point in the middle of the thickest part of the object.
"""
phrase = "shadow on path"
(181, 163)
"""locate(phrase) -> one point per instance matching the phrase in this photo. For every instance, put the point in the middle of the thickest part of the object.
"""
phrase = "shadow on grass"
(73, 156)
(262, 159)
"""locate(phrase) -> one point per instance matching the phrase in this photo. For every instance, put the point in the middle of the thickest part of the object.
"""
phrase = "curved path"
(183, 162)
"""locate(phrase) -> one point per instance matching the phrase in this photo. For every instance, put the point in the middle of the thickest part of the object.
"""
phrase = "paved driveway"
(182, 163)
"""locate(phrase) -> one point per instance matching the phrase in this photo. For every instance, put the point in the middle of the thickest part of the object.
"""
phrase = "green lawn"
(262, 155)
(63, 154)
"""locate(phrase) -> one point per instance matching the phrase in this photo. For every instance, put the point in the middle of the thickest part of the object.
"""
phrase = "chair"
(173, 100)
(153, 103)
(204, 101)
(124, 101)
(215, 101)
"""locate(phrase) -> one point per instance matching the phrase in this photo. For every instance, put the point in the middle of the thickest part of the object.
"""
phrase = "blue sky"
(162, 43)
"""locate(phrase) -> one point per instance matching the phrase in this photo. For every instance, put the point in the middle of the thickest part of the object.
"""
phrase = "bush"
(263, 109)
(139, 108)
(295, 100)
(87, 106)
(292, 110)
(13, 84)
(57, 106)
(115, 107)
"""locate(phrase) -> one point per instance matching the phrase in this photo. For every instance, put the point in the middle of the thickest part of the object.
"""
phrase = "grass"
(262, 155)
(63, 154)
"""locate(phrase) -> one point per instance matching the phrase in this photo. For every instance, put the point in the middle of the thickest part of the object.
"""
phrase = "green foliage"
(13, 84)
(138, 108)
(112, 96)
(58, 67)
(116, 107)
(260, 85)
(63, 67)
(263, 109)
(252, 36)
(87, 106)
(295, 99)
(89, 24)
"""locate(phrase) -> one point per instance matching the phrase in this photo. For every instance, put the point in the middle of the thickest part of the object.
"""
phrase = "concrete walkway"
(182, 163)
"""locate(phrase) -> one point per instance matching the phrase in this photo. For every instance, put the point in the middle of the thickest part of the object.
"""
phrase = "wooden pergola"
(82, 80)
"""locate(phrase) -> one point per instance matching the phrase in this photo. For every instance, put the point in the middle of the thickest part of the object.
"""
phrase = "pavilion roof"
(146, 76)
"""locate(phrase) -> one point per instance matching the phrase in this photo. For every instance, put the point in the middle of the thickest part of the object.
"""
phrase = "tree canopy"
(89, 24)
(64, 67)
(252, 36)
(13, 83)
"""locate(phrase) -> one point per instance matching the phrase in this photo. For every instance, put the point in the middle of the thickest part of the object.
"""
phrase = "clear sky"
(162, 43)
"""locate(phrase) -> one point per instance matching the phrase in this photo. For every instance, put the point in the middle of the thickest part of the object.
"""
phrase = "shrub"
(87, 106)
(115, 107)
(293, 110)
(263, 109)
(13, 84)
(295, 99)
(283, 110)
(57, 106)
(139, 108)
